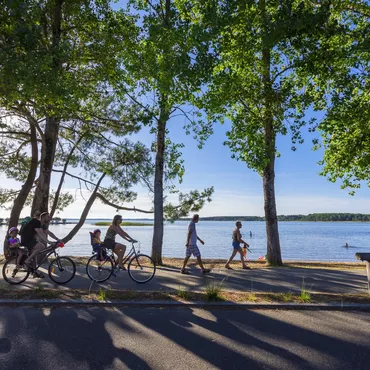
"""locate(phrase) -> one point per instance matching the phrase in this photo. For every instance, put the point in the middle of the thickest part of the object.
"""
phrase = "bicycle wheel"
(62, 270)
(11, 274)
(99, 271)
(141, 268)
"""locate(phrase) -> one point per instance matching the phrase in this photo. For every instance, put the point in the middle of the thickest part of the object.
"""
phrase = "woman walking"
(237, 240)
(110, 239)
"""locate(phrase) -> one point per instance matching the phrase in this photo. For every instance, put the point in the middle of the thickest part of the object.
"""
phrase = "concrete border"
(195, 304)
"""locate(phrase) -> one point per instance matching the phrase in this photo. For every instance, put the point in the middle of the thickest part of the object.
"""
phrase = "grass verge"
(213, 294)
(177, 263)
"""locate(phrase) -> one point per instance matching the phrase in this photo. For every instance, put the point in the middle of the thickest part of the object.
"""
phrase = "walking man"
(191, 246)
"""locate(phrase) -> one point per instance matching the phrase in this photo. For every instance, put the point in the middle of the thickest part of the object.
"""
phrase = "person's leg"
(19, 257)
(231, 258)
(186, 260)
(119, 250)
(196, 254)
(34, 252)
(240, 250)
(199, 259)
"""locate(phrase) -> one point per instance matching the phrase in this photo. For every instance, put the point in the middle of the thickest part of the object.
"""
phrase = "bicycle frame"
(131, 253)
(128, 256)
(48, 252)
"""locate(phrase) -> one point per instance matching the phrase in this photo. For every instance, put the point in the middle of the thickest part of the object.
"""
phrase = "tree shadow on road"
(72, 338)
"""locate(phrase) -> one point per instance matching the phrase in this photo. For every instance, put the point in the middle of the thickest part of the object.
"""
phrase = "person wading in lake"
(110, 239)
(237, 240)
(191, 246)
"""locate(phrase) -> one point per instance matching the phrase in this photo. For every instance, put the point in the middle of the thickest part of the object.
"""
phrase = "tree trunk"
(21, 198)
(41, 199)
(49, 142)
(158, 192)
(272, 232)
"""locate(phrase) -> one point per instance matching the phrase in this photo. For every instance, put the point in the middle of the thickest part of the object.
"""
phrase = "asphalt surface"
(182, 338)
(255, 280)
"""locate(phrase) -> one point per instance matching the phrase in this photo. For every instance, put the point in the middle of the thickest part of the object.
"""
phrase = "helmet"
(13, 229)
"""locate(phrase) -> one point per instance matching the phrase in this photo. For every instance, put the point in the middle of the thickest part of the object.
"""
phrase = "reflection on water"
(321, 241)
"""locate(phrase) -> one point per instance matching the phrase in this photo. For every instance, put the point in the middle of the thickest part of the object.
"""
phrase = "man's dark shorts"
(30, 245)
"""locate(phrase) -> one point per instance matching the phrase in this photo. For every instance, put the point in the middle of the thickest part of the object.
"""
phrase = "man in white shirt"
(191, 246)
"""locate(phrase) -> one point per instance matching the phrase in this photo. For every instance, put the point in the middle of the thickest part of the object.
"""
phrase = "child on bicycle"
(14, 244)
(97, 244)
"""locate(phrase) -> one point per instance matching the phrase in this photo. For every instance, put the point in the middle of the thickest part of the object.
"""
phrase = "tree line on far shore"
(309, 217)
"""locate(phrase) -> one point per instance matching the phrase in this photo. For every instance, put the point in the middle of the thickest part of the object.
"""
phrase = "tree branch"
(15, 133)
(85, 212)
(57, 193)
(107, 202)
(74, 176)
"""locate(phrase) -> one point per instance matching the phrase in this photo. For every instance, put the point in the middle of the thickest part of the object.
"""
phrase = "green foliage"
(250, 92)
(73, 75)
(167, 66)
(345, 127)
(188, 203)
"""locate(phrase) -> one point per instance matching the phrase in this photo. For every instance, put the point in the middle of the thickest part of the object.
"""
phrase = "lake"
(310, 241)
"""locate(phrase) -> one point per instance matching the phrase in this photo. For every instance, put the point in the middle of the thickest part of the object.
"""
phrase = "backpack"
(24, 224)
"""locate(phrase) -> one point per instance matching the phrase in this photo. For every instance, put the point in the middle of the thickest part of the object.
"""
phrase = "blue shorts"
(192, 249)
(236, 245)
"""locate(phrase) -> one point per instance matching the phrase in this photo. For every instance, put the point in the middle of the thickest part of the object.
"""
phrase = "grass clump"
(287, 297)
(102, 295)
(305, 294)
(213, 292)
(183, 293)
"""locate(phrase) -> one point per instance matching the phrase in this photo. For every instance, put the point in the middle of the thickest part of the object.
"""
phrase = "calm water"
(320, 241)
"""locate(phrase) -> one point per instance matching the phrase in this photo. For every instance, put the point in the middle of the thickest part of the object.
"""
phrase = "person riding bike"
(35, 238)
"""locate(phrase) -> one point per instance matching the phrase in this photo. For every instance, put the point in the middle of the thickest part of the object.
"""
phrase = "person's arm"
(123, 234)
(239, 236)
(188, 237)
(42, 235)
(13, 244)
(201, 241)
(51, 234)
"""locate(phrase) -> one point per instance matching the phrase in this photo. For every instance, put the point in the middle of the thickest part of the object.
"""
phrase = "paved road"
(255, 280)
(182, 338)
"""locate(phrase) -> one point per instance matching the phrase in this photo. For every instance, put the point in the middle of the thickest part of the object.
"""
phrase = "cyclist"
(36, 239)
(110, 239)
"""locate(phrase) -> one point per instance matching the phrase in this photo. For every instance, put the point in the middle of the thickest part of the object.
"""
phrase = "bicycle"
(141, 268)
(61, 270)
